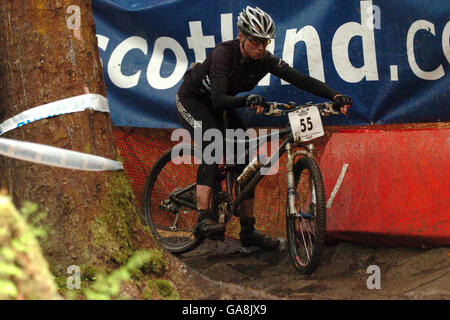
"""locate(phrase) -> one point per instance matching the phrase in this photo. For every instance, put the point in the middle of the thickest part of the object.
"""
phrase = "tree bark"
(92, 217)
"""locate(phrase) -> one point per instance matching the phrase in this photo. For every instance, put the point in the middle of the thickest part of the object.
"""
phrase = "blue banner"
(391, 57)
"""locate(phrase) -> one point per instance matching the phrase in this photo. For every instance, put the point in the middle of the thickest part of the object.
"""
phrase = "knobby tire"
(315, 225)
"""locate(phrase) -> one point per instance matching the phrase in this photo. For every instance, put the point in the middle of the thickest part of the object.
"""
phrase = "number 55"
(303, 125)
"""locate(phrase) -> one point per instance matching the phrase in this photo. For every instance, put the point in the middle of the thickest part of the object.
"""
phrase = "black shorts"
(196, 112)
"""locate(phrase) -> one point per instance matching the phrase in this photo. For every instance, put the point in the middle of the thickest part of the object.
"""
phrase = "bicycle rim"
(172, 178)
(306, 229)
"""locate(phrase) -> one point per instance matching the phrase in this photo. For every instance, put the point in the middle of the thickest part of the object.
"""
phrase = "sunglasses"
(258, 41)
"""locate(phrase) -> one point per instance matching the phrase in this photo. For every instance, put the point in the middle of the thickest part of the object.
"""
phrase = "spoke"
(304, 240)
(313, 224)
(307, 202)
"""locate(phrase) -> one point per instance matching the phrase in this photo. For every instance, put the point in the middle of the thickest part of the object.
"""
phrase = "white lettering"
(237, 137)
(179, 154)
(446, 41)
(341, 40)
(102, 43)
(394, 73)
(198, 141)
(226, 26)
(198, 42)
(246, 309)
(374, 281)
(426, 75)
(74, 21)
(154, 67)
(74, 281)
(193, 310)
(311, 38)
(116, 59)
(213, 152)
(376, 11)
(274, 156)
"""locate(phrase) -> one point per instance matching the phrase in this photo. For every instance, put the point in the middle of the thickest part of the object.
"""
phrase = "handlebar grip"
(330, 107)
(289, 105)
(267, 104)
(335, 106)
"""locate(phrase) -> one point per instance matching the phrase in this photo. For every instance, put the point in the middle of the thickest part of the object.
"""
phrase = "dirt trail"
(406, 273)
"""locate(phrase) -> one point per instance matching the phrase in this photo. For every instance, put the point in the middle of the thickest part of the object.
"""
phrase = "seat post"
(225, 119)
(229, 178)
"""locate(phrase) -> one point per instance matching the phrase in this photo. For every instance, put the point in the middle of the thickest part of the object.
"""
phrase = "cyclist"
(210, 87)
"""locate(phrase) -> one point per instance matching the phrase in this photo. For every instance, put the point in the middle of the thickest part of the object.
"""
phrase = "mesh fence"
(140, 148)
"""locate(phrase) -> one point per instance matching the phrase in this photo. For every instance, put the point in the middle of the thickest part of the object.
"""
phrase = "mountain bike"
(169, 197)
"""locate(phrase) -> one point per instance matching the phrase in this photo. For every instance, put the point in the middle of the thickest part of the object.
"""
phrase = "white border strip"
(57, 157)
(338, 185)
(56, 108)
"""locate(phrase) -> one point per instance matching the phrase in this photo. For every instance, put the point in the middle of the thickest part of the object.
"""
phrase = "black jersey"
(225, 73)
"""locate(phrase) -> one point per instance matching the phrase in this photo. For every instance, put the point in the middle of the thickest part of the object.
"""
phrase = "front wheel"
(305, 227)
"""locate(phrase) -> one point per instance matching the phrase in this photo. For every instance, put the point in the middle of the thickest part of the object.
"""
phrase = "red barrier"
(395, 189)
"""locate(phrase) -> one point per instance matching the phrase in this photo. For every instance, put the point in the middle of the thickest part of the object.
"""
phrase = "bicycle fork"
(291, 188)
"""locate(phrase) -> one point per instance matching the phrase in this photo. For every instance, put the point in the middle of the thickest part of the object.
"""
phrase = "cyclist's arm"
(220, 100)
(282, 70)
(220, 68)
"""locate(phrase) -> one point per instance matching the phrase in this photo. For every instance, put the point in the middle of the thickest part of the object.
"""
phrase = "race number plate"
(306, 124)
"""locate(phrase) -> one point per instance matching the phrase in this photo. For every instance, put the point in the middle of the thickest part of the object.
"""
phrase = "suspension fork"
(290, 181)
(308, 151)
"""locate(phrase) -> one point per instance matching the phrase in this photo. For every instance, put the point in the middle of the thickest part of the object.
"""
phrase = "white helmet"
(255, 22)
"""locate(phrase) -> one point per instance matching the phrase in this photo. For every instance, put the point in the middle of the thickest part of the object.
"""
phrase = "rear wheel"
(305, 228)
(169, 199)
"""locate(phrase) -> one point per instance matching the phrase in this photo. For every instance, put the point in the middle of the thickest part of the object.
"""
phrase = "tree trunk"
(92, 217)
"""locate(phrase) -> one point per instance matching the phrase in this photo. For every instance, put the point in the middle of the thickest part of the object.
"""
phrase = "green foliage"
(20, 256)
(7, 289)
(164, 288)
(34, 218)
(157, 264)
(8, 269)
(113, 228)
(23, 270)
(9, 251)
(106, 287)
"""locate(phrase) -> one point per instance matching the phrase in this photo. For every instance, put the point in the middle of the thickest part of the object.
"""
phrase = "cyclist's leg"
(194, 114)
(203, 196)
(248, 235)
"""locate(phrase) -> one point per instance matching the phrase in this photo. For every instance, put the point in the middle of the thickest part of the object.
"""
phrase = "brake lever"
(290, 105)
(328, 110)
(274, 110)
(277, 112)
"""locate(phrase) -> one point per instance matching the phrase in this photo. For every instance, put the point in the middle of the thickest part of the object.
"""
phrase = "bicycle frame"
(287, 145)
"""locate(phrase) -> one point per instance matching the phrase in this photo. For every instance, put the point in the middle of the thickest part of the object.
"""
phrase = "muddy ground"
(405, 273)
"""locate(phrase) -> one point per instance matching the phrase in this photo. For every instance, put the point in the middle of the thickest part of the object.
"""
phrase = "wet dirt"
(346, 271)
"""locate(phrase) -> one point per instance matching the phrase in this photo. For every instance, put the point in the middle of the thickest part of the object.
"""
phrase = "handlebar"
(325, 109)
